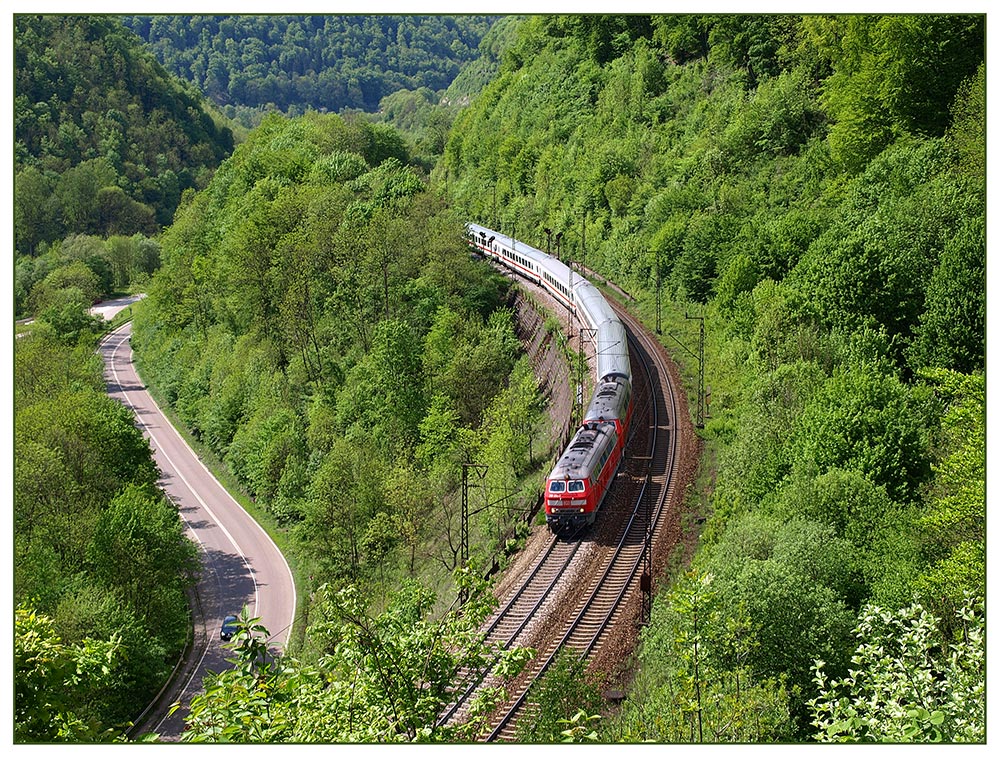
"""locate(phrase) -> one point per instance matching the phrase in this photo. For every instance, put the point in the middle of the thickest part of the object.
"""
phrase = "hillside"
(319, 62)
(810, 189)
(105, 140)
(814, 188)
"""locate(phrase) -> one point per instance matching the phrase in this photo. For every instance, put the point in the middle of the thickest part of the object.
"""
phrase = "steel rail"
(557, 573)
(622, 585)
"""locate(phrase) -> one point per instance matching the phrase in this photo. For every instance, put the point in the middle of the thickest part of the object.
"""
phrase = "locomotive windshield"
(576, 486)
(557, 486)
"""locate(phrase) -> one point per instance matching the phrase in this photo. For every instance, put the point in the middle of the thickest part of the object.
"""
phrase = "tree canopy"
(812, 186)
(105, 141)
(318, 62)
(318, 322)
(101, 562)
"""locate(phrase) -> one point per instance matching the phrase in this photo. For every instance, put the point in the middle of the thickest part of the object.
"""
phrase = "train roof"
(584, 450)
(545, 261)
(612, 358)
(610, 399)
(592, 307)
(596, 310)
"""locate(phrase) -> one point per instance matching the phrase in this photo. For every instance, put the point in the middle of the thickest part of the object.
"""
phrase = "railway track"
(615, 561)
(521, 607)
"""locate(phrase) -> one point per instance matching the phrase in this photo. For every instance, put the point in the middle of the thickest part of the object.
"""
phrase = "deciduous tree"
(908, 682)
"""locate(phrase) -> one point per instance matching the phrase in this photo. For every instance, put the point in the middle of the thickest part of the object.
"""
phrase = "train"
(579, 481)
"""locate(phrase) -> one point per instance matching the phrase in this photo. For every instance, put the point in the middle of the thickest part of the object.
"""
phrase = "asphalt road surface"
(241, 566)
(109, 308)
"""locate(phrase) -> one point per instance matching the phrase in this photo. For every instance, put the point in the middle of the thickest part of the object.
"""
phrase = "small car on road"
(228, 628)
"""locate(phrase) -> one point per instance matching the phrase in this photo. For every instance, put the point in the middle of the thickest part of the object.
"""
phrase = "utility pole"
(570, 306)
(481, 470)
(658, 283)
(701, 367)
(701, 370)
(646, 580)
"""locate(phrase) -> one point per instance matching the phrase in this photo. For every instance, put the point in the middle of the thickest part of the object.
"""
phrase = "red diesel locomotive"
(577, 485)
(580, 480)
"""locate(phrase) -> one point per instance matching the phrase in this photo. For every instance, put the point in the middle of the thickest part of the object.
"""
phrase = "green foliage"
(141, 530)
(778, 121)
(577, 727)
(759, 462)
(875, 264)
(507, 428)
(695, 269)
(81, 270)
(816, 183)
(70, 321)
(56, 684)
(893, 75)
(394, 370)
(318, 321)
(682, 36)
(775, 243)
(697, 683)
(345, 493)
(62, 298)
(558, 698)
(132, 259)
(97, 551)
(844, 499)
(105, 141)
(951, 330)
(473, 376)
(262, 448)
(756, 44)
(80, 449)
(865, 420)
(607, 36)
(953, 523)
(908, 681)
(76, 277)
(298, 63)
(248, 702)
(739, 279)
(791, 587)
(967, 131)
(381, 679)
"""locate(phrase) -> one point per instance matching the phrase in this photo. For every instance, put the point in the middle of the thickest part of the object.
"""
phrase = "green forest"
(813, 186)
(315, 62)
(105, 144)
(318, 324)
(100, 559)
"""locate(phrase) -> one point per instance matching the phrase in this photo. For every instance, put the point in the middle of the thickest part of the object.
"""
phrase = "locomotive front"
(578, 483)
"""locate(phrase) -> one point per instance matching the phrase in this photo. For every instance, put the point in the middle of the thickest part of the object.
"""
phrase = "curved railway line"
(590, 582)
(521, 607)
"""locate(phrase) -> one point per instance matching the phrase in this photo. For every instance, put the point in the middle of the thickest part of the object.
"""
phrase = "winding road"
(241, 565)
